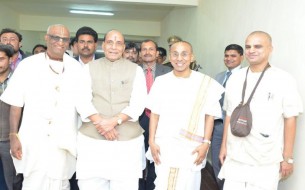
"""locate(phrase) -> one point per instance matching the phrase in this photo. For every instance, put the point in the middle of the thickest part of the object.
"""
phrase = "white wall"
(133, 30)
(216, 23)
(8, 18)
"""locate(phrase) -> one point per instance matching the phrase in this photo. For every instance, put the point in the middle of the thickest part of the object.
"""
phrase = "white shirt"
(275, 98)
(51, 102)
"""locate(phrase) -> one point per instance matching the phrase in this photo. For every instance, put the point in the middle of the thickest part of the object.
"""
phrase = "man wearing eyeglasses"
(119, 94)
(11, 37)
(183, 105)
(151, 70)
(51, 86)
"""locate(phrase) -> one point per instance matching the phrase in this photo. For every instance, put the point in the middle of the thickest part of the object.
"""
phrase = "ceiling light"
(92, 12)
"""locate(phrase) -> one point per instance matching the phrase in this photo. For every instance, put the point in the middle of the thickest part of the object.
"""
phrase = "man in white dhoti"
(259, 160)
(50, 88)
(183, 105)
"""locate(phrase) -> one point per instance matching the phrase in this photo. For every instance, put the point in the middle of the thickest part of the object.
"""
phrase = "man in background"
(162, 55)
(73, 51)
(131, 52)
(86, 44)
(11, 37)
(39, 48)
(171, 40)
(12, 180)
(233, 57)
(152, 70)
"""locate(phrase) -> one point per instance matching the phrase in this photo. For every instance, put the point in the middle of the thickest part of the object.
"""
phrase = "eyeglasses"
(5, 40)
(184, 55)
(57, 39)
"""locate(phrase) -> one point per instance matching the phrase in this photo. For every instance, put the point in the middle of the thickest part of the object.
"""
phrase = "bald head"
(57, 40)
(258, 48)
(113, 31)
(183, 43)
(58, 27)
(267, 36)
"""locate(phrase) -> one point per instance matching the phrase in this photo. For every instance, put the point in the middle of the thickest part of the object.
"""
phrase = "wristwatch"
(289, 160)
(120, 120)
(206, 141)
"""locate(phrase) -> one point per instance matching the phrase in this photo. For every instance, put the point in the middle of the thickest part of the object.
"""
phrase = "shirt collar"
(82, 63)
(153, 67)
(235, 69)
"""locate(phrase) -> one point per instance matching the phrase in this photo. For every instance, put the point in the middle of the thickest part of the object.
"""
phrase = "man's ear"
(103, 46)
(193, 58)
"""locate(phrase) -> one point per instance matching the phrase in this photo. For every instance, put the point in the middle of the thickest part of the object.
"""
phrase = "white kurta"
(114, 160)
(49, 124)
(173, 99)
(275, 98)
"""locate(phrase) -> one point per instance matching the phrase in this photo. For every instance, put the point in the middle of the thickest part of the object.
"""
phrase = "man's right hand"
(111, 135)
(222, 154)
(16, 148)
(155, 152)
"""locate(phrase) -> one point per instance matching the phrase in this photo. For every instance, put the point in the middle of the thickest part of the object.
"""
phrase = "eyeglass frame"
(58, 38)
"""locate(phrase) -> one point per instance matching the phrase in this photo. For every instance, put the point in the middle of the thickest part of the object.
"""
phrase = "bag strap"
(245, 85)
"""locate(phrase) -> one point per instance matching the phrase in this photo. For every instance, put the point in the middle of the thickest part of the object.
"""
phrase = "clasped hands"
(106, 127)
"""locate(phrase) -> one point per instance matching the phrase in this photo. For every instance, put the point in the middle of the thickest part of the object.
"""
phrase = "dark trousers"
(149, 176)
(73, 183)
(2, 180)
(215, 150)
(12, 181)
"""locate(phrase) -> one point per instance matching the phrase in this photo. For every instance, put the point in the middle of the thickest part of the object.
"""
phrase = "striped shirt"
(4, 113)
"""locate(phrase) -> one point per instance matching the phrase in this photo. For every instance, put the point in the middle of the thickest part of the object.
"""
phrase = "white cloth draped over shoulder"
(173, 99)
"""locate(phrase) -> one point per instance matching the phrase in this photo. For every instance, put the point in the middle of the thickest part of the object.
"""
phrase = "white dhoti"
(177, 168)
(255, 176)
(110, 160)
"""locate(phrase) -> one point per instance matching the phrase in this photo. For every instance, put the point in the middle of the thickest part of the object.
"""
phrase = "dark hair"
(86, 30)
(72, 41)
(131, 45)
(162, 51)
(148, 40)
(8, 30)
(235, 47)
(39, 45)
(7, 49)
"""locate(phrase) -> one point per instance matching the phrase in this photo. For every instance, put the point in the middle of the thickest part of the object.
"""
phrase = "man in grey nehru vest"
(114, 161)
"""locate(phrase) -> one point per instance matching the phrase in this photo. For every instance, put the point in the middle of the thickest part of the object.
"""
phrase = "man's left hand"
(201, 151)
(286, 169)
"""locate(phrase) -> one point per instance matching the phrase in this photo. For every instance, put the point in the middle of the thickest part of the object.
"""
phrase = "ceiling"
(143, 10)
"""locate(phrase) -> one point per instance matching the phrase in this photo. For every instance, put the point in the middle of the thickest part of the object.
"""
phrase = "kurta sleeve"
(138, 96)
